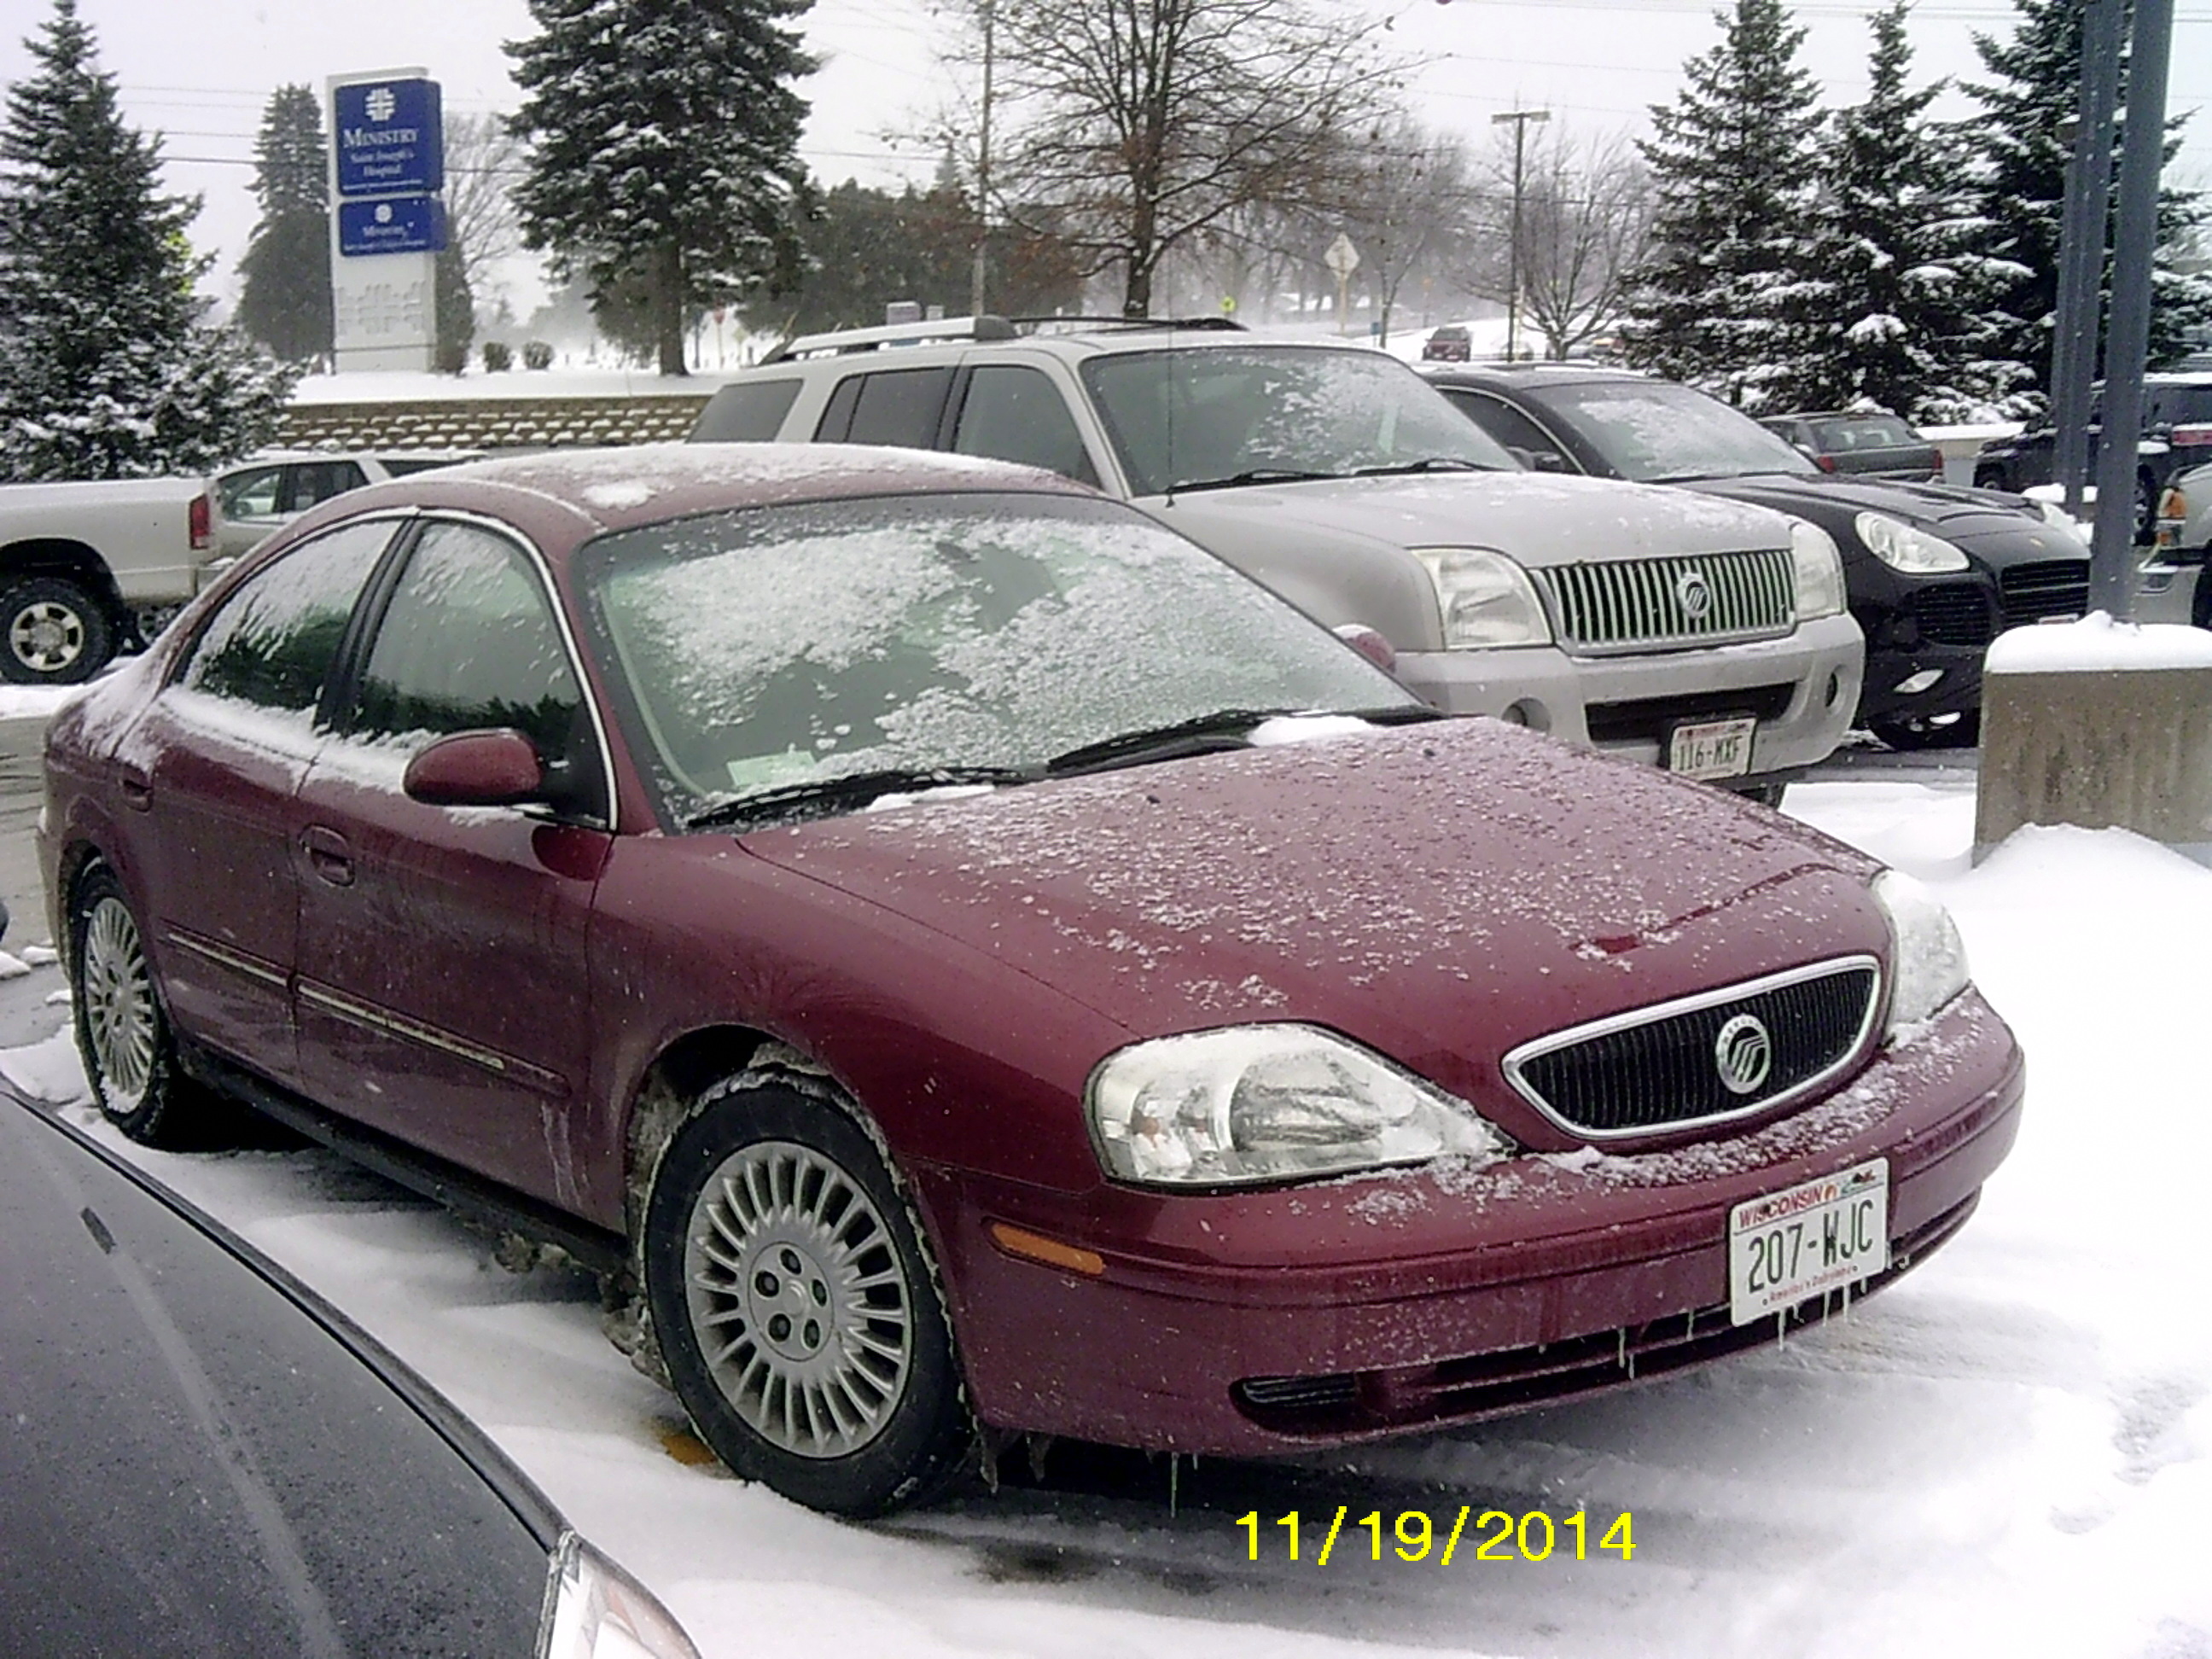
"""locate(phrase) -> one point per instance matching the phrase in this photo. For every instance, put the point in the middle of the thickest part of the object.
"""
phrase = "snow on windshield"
(764, 650)
(1651, 431)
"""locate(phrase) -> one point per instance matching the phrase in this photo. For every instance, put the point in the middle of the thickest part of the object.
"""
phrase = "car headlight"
(594, 1610)
(1486, 599)
(1250, 1103)
(1819, 571)
(1928, 958)
(1901, 547)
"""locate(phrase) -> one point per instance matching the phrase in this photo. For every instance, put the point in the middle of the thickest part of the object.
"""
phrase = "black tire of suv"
(54, 631)
(925, 1433)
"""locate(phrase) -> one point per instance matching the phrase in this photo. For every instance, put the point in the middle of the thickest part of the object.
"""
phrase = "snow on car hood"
(1441, 891)
(1953, 510)
(1534, 518)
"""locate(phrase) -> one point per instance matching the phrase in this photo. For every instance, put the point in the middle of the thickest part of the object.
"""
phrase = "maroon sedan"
(959, 960)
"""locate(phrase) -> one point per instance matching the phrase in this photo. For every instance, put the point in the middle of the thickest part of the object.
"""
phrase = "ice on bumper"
(1270, 1103)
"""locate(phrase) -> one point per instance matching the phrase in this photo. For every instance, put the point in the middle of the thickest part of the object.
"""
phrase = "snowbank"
(2098, 644)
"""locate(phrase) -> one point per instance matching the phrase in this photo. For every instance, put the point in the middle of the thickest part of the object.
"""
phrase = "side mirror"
(1369, 644)
(500, 767)
(1550, 460)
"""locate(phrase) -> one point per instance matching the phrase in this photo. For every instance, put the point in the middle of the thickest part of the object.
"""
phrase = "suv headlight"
(1487, 599)
(1250, 1104)
(1818, 570)
(1901, 547)
(1928, 958)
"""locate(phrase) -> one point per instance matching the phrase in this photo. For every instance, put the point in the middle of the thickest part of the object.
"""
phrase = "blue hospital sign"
(389, 137)
(401, 224)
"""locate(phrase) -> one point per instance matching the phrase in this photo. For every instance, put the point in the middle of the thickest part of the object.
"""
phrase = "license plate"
(1815, 1238)
(1711, 749)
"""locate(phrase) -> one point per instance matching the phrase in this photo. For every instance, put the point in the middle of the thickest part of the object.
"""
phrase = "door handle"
(136, 788)
(328, 855)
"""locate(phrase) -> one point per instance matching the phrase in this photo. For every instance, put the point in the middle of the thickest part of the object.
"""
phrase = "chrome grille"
(1655, 1068)
(1639, 602)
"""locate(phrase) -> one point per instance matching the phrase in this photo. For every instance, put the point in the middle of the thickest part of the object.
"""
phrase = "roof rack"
(1213, 325)
(985, 327)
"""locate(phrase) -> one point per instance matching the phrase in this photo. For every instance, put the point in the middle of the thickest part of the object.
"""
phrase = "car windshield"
(1864, 432)
(1248, 414)
(1654, 432)
(782, 649)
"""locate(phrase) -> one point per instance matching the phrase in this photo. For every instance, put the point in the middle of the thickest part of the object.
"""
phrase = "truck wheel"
(52, 632)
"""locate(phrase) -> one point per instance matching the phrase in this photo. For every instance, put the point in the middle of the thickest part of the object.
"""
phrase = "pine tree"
(1729, 298)
(1911, 328)
(664, 142)
(286, 303)
(2022, 182)
(108, 368)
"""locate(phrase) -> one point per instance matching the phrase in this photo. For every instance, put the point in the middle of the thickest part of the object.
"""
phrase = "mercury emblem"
(1695, 593)
(1743, 1054)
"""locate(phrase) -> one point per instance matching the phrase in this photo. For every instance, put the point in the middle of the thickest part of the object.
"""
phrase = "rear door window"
(1502, 422)
(1011, 413)
(901, 407)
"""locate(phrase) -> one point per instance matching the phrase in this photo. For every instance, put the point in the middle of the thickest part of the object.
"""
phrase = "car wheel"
(797, 1308)
(52, 632)
(123, 1032)
(1917, 732)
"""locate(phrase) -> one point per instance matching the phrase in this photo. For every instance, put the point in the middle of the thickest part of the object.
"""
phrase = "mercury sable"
(960, 960)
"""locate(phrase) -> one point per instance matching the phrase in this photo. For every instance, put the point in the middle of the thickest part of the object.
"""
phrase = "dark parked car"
(1450, 344)
(952, 952)
(204, 1458)
(1861, 446)
(1934, 571)
(2177, 435)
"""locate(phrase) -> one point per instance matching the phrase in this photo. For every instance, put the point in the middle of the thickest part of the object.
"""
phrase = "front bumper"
(1347, 1311)
(1802, 688)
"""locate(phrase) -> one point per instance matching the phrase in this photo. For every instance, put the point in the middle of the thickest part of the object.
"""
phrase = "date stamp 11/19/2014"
(1496, 1536)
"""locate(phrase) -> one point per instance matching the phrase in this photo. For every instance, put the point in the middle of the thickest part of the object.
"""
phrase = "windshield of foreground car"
(1653, 432)
(929, 639)
(1254, 414)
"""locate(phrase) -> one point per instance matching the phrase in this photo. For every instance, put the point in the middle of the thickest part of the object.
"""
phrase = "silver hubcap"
(46, 636)
(797, 1299)
(119, 1006)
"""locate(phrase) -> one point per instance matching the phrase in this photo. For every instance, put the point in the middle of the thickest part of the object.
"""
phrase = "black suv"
(1934, 571)
(2177, 435)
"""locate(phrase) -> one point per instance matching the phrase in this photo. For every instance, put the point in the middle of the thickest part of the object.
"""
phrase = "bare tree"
(1139, 124)
(1411, 194)
(1585, 220)
(484, 160)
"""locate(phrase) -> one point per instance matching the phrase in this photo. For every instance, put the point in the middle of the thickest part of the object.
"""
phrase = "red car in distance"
(958, 960)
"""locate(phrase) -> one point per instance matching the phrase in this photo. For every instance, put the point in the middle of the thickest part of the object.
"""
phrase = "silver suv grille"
(1702, 598)
(1658, 1069)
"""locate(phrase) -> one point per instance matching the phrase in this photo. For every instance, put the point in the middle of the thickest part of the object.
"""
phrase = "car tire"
(1766, 794)
(796, 1304)
(123, 1031)
(1913, 733)
(54, 631)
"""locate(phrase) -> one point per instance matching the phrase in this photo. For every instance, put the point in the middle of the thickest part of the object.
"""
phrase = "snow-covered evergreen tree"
(1910, 327)
(664, 142)
(108, 366)
(286, 302)
(1730, 301)
(2021, 166)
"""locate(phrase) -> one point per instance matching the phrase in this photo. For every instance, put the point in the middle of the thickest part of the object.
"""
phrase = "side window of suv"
(1504, 422)
(314, 483)
(898, 406)
(1013, 413)
(272, 642)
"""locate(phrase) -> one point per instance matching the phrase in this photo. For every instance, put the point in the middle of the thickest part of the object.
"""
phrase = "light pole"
(982, 176)
(1520, 118)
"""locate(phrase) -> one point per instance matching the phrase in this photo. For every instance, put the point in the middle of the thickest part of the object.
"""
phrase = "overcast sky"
(199, 70)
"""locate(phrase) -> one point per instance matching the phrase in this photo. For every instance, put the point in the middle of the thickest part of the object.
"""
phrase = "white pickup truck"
(89, 569)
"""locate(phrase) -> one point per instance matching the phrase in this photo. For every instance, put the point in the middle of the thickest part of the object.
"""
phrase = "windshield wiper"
(825, 796)
(1193, 736)
(1430, 463)
(1257, 475)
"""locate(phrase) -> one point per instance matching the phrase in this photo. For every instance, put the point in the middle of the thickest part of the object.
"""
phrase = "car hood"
(1441, 892)
(1953, 511)
(1534, 518)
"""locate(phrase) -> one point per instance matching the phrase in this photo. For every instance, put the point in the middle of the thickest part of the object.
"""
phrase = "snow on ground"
(2009, 1452)
(21, 702)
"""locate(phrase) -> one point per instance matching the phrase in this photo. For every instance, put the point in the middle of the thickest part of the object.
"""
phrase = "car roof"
(1086, 339)
(1522, 374)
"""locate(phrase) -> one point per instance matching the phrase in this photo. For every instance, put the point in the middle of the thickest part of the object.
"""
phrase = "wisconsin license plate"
(1711, 749)
(1815, 1238)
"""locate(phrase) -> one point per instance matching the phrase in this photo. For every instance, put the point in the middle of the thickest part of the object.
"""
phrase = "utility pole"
(2083, 230)
(975, 276)
(2127, 340)
(1520, 118)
